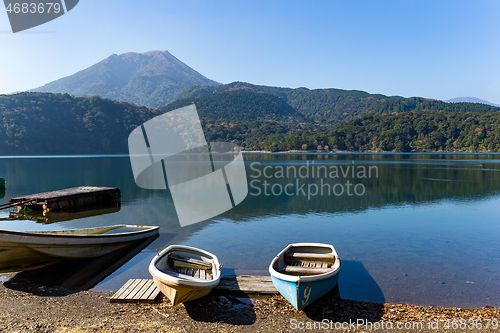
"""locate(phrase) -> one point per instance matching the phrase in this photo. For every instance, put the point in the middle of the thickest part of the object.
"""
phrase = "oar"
(13, 204)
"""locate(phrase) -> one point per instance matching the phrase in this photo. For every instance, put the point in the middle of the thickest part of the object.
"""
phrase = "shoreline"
(27, 307)
(364, 152)
(322, 152)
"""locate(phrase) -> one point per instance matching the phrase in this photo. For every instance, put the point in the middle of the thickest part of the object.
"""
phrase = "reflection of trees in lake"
(402, 179)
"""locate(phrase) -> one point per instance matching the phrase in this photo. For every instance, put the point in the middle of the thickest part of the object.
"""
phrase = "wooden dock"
(145, 291)
(137, 291)
(67, 199)
(247, 284)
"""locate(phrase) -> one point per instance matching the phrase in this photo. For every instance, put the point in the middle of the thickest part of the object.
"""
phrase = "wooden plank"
(151, 292)
(248, 284)
(141, 289)
(122, 292)
(70, 198)
(144, 290)
(136, 290)
(181, 261)
(305, 270)
(124, 288)
(132, 289)
(311, 256)
(67, 192)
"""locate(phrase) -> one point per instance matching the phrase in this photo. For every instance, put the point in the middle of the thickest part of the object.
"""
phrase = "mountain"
(324, 106)
(151, 79)
(236, 106)
(469, 100)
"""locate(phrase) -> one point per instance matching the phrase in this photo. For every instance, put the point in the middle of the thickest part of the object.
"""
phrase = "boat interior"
(90, 231)
(183, 263)
(302, 261)
(108, 230)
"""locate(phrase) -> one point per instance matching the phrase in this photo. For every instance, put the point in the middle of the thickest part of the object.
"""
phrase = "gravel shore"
(30, 308)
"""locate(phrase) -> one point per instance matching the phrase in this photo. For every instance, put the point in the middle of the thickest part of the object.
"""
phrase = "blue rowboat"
(304, 272)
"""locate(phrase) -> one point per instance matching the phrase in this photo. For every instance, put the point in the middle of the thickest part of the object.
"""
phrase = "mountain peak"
(469, 100)
(158, 53)
(152, 78)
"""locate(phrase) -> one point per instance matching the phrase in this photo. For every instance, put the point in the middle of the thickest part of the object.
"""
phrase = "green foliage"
(253, 134)
(238, 106)
(421, 104)
(317, 113)
(257, 118)
(333, 106)
(418, 131)
(43, 124)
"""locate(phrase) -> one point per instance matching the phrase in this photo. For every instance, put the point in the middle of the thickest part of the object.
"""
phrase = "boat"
(80, 274)
(18, 248)
(304, 272)
(183, 273)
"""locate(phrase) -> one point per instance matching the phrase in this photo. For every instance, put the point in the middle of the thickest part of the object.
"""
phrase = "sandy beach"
(25, 307)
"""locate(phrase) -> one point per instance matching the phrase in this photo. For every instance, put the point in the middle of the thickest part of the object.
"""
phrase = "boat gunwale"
(186, 281)
(305, 278)
(53, 233)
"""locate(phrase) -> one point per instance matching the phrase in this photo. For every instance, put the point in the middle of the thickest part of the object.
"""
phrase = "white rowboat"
(184, 273)
(22, 247)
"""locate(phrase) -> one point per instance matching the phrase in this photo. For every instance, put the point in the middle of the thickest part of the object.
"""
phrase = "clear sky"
(436, 49)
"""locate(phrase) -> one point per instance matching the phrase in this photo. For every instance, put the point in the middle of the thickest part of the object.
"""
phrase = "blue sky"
(436, 49)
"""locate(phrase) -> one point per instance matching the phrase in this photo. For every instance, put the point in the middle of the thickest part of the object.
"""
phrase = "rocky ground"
(29, 308)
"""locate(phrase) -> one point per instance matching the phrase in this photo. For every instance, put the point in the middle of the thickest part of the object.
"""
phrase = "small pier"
(247, 284)
(136, 291)
(145, 291)
(67, 199)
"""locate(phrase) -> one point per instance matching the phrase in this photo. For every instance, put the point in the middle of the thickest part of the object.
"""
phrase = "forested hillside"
(43, 124)
(333, 106)
(418, 131)
(238, 106)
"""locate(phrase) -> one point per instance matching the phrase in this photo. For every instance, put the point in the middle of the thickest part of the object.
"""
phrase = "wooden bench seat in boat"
(180, 261)
(308, 263)
(203, 274)
(311, 256)
(189, 266)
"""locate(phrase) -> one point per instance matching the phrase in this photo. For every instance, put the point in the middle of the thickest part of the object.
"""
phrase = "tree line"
(416, 131)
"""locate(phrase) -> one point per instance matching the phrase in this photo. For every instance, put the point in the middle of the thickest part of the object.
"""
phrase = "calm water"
(425, 231)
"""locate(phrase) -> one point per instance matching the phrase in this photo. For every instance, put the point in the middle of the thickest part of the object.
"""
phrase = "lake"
(409, 228)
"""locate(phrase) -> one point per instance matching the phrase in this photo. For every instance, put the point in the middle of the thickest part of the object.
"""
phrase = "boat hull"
(69, 244)
(303, 294)
(179, 294)
(179, 288)
(302, 290)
